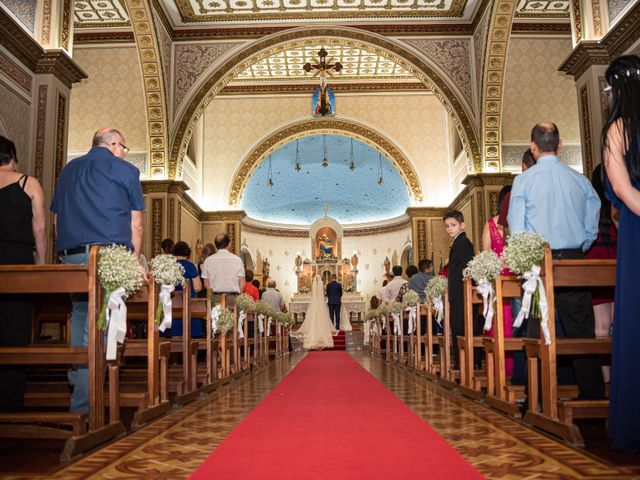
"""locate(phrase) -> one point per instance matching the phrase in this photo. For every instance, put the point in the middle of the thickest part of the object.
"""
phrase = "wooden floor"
(176, 444)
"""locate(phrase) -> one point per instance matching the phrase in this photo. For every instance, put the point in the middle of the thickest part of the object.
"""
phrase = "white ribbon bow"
(116, 317)
(241, 317)
(215, 316)
(260, 324)
(413, 315)
(485, 288)
(397, 324)
(383, 322)
(439, 307)
(533, 281)
(268, 326)
(165, 300)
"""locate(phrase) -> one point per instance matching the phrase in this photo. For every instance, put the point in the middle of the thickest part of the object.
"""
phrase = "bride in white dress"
(317, 329)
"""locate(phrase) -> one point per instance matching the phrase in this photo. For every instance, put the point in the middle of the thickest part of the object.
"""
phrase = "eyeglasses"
(124, 147)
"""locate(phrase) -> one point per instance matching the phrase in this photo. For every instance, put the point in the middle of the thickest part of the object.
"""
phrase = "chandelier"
(297, 167)
(380, 177)
(325, 160)
(352, 164)
(270, 181)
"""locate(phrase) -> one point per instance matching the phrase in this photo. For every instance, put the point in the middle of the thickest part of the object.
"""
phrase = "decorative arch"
(314, 126)
(418, 66)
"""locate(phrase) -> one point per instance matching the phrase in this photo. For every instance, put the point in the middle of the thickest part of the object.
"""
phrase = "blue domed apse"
(352, 196)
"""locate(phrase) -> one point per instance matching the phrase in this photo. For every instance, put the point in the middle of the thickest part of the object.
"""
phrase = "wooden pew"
(206, 375)
(87, 430)
(557, 415)
(149, 395)
(472, 382)
(429, 367)
(447, 376)
(501, 395)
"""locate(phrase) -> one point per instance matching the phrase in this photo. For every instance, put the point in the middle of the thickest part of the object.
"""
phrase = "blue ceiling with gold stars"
(353, 193)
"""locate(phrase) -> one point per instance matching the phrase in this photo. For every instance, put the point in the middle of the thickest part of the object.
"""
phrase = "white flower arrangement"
(410, 299)
(245, 303)
(304, 289)
(523, 251)
(394, 308)
(225, 321)
(284, 318)
(117, 268)
(383, 310)
(348, 288)
(264, 308)
(375, 313)
(166, 270)
(484, 266)
(436, 287)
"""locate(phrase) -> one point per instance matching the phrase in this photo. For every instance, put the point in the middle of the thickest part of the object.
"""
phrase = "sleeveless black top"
(15, 213)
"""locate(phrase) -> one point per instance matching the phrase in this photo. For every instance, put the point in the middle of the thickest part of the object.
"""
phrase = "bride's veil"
(317, 293)
(316, 328)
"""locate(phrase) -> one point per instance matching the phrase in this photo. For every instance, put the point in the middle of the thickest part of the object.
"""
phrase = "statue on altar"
(326, 246)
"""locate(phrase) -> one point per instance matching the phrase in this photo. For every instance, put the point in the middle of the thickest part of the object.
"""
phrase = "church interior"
(324, 137)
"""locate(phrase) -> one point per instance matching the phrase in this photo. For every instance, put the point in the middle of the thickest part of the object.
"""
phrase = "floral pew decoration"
(435, 291)
(265, 312)
(245, 305)
(523, 255)
(410, 304)
(483, 269)
(120, 276)
(168, 273)
(383, 312)
(395, 310)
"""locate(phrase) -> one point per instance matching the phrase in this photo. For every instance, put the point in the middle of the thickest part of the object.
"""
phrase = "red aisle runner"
(329, 418)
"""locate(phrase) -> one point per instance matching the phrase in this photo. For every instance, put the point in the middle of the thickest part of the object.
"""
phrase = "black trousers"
(334, 314)
(575, 310)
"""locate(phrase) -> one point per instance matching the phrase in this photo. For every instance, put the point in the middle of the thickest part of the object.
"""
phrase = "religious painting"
(324, 102)
(326, 245)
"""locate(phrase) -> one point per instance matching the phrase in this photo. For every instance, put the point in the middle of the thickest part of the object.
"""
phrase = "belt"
(76, 250)
(226, 293)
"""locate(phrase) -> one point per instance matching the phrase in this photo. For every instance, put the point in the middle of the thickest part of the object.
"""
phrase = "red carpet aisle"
(330, 419)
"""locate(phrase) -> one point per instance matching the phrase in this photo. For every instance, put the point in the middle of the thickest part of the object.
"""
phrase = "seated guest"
(167, 246)
(256, 283)
(207, 250)
(22, 222)
(393, 287)
(411, 271)
(273, 297)
(249, 288)
(418, 282)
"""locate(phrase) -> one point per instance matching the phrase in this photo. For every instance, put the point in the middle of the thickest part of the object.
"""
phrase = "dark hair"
(604, 223)
(623, 75)
(7, 151)
(424, 265)
(167, 245)
(182, 249)
(503, 193)
(221, 241)
(397, 270)
(528, 159)
(411, 270)
(455, 214)
(385, 282)
(546, 136)
(248, 275)
(256, 283)
(207, 250)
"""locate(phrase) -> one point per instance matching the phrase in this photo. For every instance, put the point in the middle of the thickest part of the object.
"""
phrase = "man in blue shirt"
(561, 205)
(98, 200)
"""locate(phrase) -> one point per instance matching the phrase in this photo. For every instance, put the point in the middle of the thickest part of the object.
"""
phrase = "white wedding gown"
(317, 330)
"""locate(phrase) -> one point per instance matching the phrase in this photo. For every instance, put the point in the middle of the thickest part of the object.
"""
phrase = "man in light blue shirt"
(560, 204)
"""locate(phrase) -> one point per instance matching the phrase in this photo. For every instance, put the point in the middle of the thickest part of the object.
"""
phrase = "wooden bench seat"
(78, 422)
(43, 355)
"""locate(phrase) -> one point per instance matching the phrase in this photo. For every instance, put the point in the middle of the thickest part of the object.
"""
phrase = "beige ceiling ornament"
(153, 83)
(493, 82)
(318, 127)
(420, 67)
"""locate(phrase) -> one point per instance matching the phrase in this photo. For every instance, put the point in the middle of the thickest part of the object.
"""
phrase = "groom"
(334, 296)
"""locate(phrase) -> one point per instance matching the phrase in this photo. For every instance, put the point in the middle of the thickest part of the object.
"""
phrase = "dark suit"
(459, 256)
(334, 299)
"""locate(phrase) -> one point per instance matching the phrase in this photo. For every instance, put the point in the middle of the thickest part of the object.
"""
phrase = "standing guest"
(182, 252)
(256, 283)
(460, 255)
(334, 300)
(98, 200)
(418, 282)
(167, 246)
(493, 235)
(560, 204)
(206, 251)
(223, 272)
(603, 248)
(392, 289)
(22, 218)
(273, 297)
(249, 288)
(621, 156)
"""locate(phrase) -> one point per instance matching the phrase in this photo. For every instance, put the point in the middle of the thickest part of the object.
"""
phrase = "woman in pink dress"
(493, 239)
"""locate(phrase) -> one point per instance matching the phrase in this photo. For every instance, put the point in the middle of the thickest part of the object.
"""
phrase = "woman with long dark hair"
(621, 158)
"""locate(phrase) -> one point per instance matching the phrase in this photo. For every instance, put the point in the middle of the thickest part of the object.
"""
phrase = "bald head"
(545, 139)
(221, 241)
(110, 138)
(271, 284)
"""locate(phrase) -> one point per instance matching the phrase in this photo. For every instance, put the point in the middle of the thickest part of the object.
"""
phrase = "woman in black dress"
(22, 226)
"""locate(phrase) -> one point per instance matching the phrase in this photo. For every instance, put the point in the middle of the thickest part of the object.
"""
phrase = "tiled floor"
(172, 447)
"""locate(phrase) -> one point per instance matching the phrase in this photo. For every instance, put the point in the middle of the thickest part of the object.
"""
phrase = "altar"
(352, 304)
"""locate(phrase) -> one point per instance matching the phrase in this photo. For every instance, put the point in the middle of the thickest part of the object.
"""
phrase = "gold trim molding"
(153, 84)
(419, 66)
(324, 126)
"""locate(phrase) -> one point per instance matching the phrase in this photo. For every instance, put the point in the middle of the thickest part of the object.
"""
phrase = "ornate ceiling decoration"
(100, 13)
(357, 63)
(229, 10)
(543, 8)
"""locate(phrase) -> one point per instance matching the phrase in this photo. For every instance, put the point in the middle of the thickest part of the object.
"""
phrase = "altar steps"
(339, 342)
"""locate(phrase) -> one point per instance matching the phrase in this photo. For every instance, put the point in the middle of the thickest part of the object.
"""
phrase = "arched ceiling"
(351, 195)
